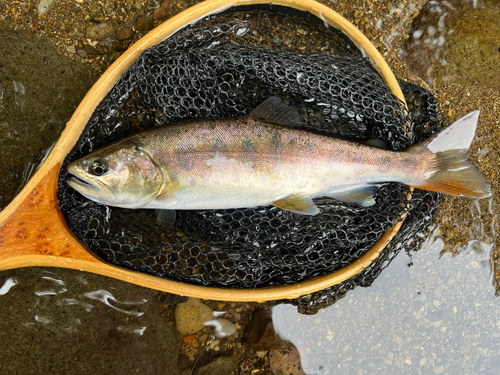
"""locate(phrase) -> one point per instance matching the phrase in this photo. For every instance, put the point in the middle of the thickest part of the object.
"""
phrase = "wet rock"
(125, 33)
(110, 45)
(89, 50)
(191, 315)
(161, 11)
(285, 360)
(81, 52)
(261, 335)
(220, 365)
(144, 23)
(100, 31)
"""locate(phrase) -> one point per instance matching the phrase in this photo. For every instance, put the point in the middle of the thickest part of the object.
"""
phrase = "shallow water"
(39, 91)
(439, 315)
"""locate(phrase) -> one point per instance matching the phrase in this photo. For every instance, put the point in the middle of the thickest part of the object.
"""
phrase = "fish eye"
(98, 167)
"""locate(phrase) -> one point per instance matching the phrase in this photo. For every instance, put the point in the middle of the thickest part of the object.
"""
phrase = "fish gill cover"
(225, 65)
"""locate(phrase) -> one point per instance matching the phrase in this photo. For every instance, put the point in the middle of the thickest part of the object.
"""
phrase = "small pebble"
(191, 340)
(285, 359)
(125, 33)
(44, 6)
(71, 49)
(89, 50)
(237, 317)
(144, 23)
(100, 31)
(438, 369)
(161, 12)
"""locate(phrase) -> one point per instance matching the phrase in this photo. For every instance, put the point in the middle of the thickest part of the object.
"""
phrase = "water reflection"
(106, 297)
(439, 315)
(9, 283)
(58, 318)
(64, 303)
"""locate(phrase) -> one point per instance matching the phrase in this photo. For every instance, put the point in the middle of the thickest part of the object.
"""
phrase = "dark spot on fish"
(219, 145)
(249, 152)
(275, 148)
(184, 159)
(292, 142)
(385, 160)
(247, 145)
(309, 146)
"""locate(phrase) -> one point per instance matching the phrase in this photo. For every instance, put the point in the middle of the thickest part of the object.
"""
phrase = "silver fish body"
(250, 162)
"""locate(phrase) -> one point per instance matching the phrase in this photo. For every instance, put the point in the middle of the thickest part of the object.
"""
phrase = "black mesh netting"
(225, 65)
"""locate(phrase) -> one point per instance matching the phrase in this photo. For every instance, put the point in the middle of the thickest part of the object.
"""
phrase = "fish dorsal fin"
(362, 195)
(457, 136)
(298, 203)
(275, 111)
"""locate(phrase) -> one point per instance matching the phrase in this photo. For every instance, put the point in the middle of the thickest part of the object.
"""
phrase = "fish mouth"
(81, 185)
(92, 189)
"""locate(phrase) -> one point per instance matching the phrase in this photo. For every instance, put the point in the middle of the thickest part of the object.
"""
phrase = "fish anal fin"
(362, 195)
(275, 111)
(298, 203)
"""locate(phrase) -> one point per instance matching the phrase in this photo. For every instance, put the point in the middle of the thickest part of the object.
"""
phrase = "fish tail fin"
(452, 172)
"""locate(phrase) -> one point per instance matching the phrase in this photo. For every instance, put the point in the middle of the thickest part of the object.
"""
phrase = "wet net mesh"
(225, 65)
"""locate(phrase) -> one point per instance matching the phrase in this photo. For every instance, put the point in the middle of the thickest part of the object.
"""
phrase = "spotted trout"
(259, 160)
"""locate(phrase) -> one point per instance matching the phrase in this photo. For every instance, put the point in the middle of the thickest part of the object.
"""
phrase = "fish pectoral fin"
(168, 190)
(275, 111)
(362, 195)
(298, 203)
(165, 217)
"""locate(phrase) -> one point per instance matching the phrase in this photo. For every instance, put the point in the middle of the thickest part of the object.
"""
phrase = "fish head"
(121, 175)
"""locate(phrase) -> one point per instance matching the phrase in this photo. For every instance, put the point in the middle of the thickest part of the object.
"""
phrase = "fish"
(264, 159)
